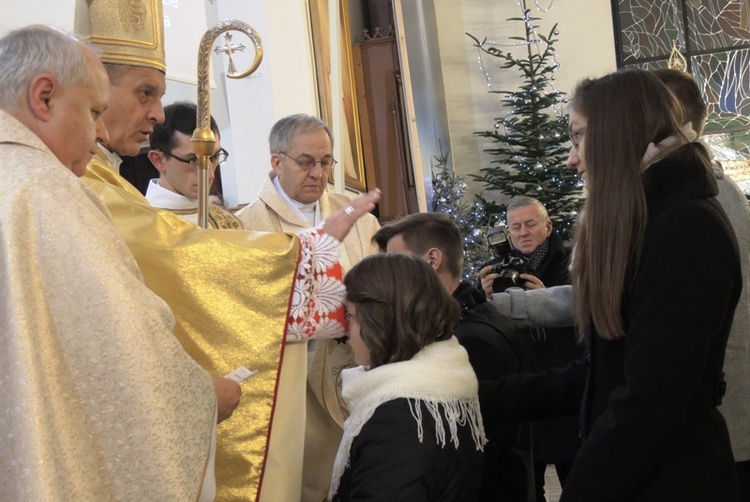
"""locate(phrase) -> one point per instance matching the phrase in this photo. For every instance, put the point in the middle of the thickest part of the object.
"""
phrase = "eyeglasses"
(575, 136)
(306, 163)
(216, 159)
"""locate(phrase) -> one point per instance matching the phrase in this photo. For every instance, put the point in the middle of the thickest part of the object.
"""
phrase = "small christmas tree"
(531, 140)
(448, 192)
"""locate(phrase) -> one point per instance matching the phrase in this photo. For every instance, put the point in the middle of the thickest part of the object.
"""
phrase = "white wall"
(285, 82)
(585, 48)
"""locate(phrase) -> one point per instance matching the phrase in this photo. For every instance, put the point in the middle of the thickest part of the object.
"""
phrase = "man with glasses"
(172, 155)
(292, 199)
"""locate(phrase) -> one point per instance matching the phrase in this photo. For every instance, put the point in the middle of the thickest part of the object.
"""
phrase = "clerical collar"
(158, 196)
(309, 212)
(112, 157)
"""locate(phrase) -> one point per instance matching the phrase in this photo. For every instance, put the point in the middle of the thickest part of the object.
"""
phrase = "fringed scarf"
(439, 376)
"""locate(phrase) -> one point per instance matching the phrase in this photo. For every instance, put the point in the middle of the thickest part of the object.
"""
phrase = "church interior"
(426, 98)
(408, 84)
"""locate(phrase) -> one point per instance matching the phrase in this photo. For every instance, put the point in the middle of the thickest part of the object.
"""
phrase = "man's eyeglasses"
(216, 159)
(575, 136)
(306, 162)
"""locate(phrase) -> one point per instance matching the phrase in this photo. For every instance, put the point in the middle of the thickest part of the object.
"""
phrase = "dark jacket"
(653, 432)
(555, 440)
(391, 464)
(495, 350)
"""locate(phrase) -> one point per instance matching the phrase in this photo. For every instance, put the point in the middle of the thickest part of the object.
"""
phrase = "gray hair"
(523, 201)
(283, 130)
(29, 51)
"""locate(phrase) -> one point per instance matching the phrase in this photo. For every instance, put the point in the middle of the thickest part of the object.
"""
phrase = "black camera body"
(511, 267)
(509, 273)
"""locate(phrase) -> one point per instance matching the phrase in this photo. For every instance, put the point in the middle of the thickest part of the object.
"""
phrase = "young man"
(98, 403)
(173, 156)
(735, 406)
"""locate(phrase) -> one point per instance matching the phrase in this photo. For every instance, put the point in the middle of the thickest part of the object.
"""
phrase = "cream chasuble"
(321, 414)
(231, 293)
(99, 401)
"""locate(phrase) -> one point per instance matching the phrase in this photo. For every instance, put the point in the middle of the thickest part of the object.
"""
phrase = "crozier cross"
(228, 48)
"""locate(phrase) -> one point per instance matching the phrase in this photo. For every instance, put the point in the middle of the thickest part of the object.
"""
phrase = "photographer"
(537, 259)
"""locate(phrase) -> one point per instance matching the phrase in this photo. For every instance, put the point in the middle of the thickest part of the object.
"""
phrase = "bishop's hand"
(339, 223)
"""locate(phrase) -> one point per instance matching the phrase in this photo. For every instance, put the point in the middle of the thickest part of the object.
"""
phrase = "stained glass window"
(714, 38)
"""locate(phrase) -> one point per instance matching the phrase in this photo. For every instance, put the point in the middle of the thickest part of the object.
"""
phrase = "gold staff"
(203, 137)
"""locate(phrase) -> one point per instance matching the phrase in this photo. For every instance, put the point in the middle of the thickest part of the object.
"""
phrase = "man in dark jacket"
(541, 251)
(494, 348)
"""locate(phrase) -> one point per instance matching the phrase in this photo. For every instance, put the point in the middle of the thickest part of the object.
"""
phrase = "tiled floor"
(552, 488)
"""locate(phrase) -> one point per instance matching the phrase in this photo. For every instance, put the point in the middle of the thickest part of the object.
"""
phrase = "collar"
(307, 212)
(14, 131)
(683, 175)
(112, 157)
(158, 196)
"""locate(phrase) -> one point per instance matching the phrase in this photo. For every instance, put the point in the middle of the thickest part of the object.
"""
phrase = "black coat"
(555, 440)
(388, 463)
(495, 351)
(653, 432)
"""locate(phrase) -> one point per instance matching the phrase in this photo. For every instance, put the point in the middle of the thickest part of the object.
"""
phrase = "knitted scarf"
(439, 376)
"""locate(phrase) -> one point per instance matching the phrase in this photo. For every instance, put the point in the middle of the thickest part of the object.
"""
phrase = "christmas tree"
(448, 193)
(531, 141)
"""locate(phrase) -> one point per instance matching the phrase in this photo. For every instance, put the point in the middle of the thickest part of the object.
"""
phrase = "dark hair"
(422, 231)
(401, 306)
(625, 111)
(218, 194)
(181, 116)
(684, 87)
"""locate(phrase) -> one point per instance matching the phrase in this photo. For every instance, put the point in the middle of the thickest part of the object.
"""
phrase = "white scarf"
(439, 376)
(655, 152)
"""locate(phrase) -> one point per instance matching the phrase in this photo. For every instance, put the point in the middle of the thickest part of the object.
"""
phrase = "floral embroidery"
(317, 309)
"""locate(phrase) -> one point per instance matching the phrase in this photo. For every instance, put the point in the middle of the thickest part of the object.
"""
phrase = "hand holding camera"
(511, 271)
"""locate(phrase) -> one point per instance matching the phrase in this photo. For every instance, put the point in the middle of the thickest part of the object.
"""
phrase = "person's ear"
(43, 89)
(434, 257)
(157, 159)
(276, 163)
(549, 227)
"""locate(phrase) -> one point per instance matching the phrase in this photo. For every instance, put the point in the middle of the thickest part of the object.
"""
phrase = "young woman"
(656, 278)
(415, 430)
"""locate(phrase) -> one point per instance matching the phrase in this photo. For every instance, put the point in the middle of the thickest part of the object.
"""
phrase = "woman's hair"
(401, 306)
(625, 111)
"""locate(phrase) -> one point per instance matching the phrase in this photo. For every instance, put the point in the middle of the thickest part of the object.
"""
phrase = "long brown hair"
(625, 111)
(401, 306)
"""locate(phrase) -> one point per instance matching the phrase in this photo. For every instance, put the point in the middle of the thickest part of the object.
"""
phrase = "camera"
(509, 273)
(510, 267)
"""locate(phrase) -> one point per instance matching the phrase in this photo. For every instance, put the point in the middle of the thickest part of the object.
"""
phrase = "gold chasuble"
(230, 292)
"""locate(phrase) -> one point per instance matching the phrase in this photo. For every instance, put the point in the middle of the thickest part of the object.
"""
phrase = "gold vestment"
(230, 292)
